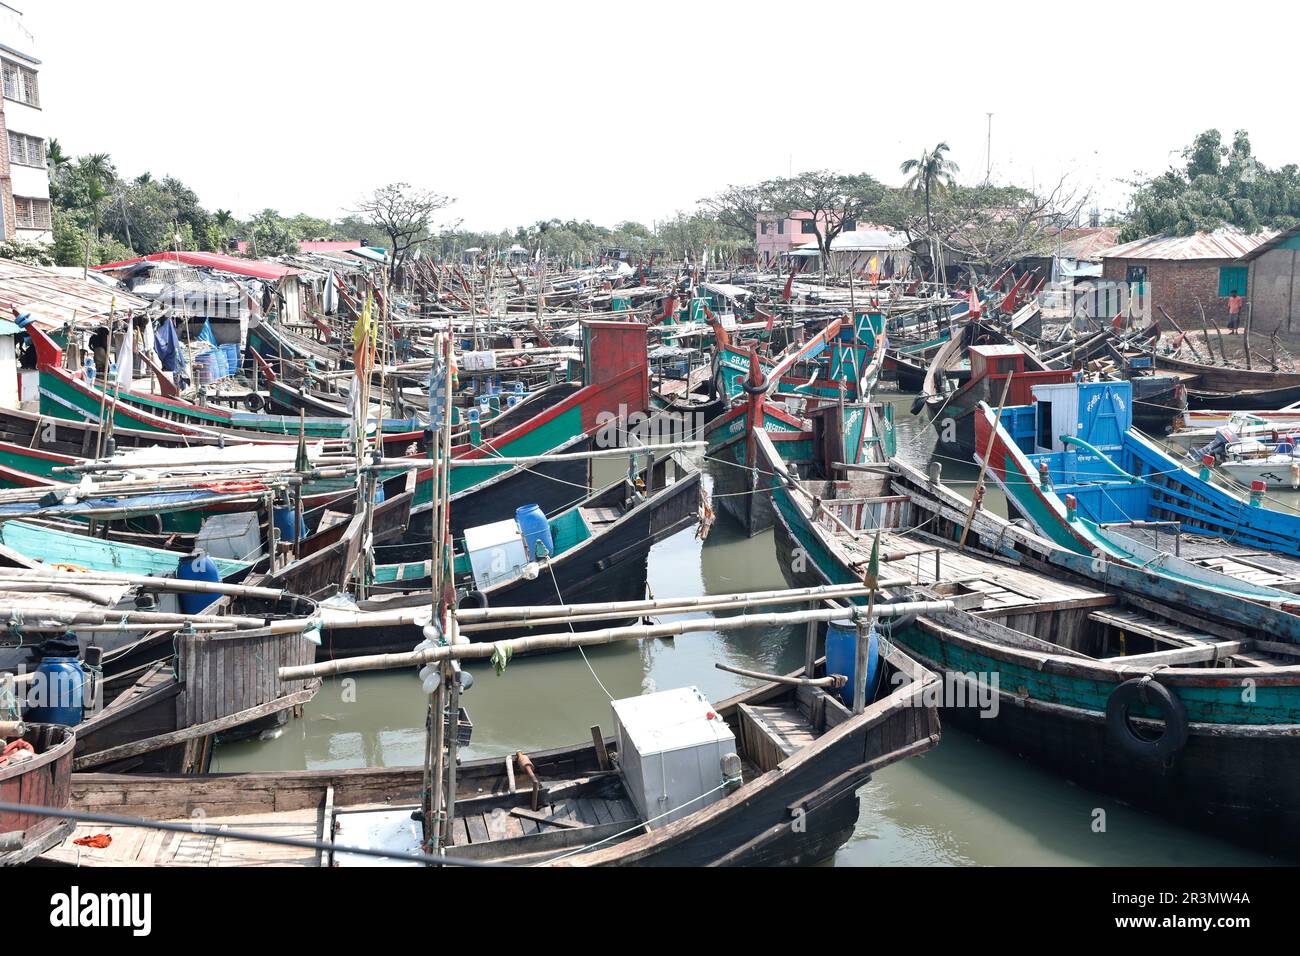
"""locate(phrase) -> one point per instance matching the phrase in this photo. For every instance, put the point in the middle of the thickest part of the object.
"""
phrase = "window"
(1233, 279)
(808, 227)
(26, 150)
(763, 227)
(31, 213)
(780, 227)
(850, 225)
(1045, 425)
(1135, 274)
(21, 85)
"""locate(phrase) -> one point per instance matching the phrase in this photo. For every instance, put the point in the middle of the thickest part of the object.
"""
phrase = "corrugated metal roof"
(1224, 243)
(1277, 240)
(53, 299)
(254, 268)
(1088, 243)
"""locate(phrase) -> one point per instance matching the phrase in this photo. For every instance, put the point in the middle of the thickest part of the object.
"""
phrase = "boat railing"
(887, 513)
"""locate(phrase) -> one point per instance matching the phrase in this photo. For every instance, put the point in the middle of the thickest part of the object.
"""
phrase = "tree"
(990, 226)
(738, 207)
(1218, 185)
(931, 173)
(271, 235)
(834, 201)
(56, 159)
(404, 215)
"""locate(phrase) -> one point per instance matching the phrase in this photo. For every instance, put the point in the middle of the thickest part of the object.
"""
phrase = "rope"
(550, 568)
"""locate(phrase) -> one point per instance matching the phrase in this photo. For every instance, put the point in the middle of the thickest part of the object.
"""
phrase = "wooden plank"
(477, 826)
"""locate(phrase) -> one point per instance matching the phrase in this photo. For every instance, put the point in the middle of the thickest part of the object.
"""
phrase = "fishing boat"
(829, 432)
(800, 758)
(37, 771)
(1073, 466)
(1228, 387)
(996, 371)
(597, 554)
(1121, 685)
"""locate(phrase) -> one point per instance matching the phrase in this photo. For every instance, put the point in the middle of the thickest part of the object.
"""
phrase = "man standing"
(1234, 311)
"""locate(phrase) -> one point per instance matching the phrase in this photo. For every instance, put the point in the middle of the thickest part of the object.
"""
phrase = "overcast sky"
(617, 110)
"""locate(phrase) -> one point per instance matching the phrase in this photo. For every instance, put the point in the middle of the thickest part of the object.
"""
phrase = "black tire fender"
(472, 599)
(1143, 691)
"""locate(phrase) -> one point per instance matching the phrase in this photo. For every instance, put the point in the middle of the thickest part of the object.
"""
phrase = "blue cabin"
(1082, 432)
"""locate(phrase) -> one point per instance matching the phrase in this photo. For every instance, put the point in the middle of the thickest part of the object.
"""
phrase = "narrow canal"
(965, 803)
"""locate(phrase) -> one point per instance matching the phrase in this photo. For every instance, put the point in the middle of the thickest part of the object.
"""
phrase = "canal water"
(964, 803)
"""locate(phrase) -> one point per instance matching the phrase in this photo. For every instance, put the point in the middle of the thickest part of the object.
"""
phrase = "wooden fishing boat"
(816, 442)
(1058, 666)
(1222, 386)
(168, 717)
(1189, 639)
(45, 780)
(990, 368)
(802, 757)
(600, 549)
(1075, 468)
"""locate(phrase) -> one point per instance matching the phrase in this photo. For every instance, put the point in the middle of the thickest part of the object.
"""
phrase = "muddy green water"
(965, 803)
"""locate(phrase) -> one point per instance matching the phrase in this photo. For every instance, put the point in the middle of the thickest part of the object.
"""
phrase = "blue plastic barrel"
(58, 692)
(842, 656)
(206, 369)
(536, 531)
(284, 515)
(198, 567)
(231, 354)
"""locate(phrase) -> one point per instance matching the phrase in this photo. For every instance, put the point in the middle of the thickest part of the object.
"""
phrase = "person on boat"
(99, 349)
(1234, 311)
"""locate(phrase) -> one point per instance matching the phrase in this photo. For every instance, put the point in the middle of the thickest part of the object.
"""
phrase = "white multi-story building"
(24, 175)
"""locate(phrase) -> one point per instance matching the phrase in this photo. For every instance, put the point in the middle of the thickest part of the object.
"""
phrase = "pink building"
(775, 236)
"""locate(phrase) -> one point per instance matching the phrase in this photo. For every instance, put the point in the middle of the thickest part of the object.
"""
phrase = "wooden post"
(861, 646)
(1249, 312)
(984, 465)
(810, 647)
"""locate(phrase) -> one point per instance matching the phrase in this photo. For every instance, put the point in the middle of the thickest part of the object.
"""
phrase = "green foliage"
(272, 234)
(1218, 185)
(31, 253)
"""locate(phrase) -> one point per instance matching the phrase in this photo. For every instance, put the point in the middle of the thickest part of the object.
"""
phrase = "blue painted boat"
(1158, 691)
(1074, 466)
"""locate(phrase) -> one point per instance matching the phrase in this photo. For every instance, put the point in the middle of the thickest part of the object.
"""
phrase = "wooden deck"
(503, 824)
(136, 846)
(1266, 568)
(1002, 585)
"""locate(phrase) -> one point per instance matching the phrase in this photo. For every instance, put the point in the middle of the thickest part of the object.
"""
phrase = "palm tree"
(932, 173)
(56, 159)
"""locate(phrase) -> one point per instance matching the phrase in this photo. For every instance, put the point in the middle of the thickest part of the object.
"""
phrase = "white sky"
(625, 110)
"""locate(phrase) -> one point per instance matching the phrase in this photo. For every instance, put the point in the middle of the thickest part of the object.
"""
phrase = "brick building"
(1174, 272)
(24, 175)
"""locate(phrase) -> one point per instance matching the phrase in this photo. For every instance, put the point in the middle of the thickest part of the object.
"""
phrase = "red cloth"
(100, 841)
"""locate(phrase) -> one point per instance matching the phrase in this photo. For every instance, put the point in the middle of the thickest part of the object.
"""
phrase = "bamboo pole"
(546, 620)
(833, 681)
(568, 640)
(984, 465)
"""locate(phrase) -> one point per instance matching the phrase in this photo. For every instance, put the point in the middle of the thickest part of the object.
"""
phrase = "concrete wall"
(1275, 290)
(15, 179)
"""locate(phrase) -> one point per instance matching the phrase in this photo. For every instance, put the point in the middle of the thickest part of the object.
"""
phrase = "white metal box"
(670, 750)
(496, 551)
